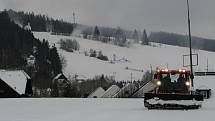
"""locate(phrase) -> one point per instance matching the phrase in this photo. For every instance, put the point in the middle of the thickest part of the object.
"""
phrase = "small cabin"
(31, 60)
(111, 91)
(97, 93)
(27, 27)
(126, 91)
(15, 83)
(59, 83)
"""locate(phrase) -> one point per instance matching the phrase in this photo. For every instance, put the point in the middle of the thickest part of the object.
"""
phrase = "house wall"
(59, 85)
(28, 89)
(6, 91)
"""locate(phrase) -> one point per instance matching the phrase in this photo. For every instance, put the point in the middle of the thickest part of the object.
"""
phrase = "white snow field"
(96, 109)
(101, 109)
(139, 58)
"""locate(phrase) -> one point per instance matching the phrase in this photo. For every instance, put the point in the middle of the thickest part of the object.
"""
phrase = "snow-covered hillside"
(138, 56)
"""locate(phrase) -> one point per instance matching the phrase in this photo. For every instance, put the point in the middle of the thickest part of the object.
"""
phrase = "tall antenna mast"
(190, 41)
(74, 22)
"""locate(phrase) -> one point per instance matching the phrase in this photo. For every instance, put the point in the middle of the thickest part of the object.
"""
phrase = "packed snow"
(139, 58)
(101, 109)
(180, 102)
(95, 109)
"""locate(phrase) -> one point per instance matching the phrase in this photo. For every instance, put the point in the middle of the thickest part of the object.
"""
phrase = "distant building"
(49, 27)
(147, 87)
(126, 91)
(110, 92)
(31, 60)
(27, 27)
(15, 83)
(59, 84)
(97, 93)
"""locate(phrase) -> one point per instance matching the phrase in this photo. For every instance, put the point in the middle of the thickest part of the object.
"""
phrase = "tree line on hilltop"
(117, 36)
(182, 40)
(41, 23)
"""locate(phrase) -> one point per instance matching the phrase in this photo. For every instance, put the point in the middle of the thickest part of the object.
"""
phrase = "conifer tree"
(96, 33)
(144, 39)
(135, 36)
(55, 61)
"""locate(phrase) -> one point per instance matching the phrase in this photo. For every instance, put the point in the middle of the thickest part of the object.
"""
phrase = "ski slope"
(139, 57)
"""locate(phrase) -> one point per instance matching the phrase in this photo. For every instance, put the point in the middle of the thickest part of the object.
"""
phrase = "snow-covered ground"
(101, 109)
(140, 57)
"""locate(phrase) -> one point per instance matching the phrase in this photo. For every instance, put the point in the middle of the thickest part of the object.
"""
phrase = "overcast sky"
(153, 15)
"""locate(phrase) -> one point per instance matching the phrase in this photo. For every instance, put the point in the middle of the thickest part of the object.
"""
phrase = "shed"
(126, 91)
(97, 93)
(149, 86)
(111, 91)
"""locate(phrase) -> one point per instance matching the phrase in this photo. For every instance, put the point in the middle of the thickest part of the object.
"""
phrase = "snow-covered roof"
(16, 79)
(28, 27)
(110, 92)
(97, 93)
(146, 88)
(58, 76)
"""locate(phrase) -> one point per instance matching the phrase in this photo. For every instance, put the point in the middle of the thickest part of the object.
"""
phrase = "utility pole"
(190, 41)
(207, 65)
(131, 76)
(151, 71)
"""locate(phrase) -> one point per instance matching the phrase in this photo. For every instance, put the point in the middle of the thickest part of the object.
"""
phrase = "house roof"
(16, 79)
(97, 93)
(111, 91)
(60, 75)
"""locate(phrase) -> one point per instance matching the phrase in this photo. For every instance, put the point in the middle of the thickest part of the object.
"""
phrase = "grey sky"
(153, 15)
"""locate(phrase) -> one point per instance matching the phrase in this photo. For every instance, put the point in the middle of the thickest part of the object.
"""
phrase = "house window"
(60, 81)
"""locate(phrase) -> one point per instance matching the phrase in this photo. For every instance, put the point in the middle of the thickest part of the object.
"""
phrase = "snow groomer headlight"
(158, 83)
(187, 83)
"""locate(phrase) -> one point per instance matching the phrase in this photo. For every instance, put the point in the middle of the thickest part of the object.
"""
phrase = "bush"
(69, 45)
(105, 58)
(101, 56)
(92, 53)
